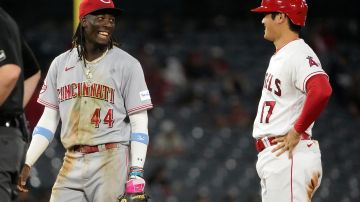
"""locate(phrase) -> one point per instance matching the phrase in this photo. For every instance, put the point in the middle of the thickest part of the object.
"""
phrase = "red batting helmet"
(296, 10)
(89, 6)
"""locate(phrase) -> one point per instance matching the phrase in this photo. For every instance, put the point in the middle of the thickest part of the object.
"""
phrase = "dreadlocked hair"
(78, 42)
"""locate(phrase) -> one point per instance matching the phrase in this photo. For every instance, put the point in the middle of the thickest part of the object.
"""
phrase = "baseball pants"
(93, 177)
(290, 180)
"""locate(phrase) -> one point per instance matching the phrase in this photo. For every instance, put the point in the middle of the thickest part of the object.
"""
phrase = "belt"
(14, 123)
(264, 142)
(87, 149)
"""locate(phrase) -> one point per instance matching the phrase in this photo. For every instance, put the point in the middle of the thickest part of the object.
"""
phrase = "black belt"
(14, 123)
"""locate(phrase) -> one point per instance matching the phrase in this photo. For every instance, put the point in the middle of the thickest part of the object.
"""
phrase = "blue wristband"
(136, 171)
(139, 174)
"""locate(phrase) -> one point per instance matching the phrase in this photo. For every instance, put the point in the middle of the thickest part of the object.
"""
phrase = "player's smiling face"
(99, 28)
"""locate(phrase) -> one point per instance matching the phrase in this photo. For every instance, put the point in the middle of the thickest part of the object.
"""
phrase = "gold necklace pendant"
(88, 82)
(89, 68)
(89, 74)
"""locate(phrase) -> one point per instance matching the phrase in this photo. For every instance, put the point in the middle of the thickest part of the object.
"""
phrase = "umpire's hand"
(21, 186)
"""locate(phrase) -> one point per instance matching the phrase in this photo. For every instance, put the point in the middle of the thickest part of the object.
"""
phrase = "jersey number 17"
(269, 105)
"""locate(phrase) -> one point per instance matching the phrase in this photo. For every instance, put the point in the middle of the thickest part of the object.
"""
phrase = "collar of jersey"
(97, 59)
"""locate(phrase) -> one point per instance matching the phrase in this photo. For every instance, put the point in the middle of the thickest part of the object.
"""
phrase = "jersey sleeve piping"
(140, 108)
(47, 104)
(310, 75)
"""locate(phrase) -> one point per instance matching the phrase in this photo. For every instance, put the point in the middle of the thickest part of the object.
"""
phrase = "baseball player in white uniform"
(296, 90)
(99, 93)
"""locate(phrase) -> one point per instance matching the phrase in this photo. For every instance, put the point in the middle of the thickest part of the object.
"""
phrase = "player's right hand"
(25, 172)
(287, 142)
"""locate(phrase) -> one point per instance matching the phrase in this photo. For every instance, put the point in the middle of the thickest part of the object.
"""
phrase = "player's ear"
(83, 21)
(280, 18)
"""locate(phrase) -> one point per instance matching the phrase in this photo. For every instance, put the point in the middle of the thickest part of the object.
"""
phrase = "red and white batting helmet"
(296, 10)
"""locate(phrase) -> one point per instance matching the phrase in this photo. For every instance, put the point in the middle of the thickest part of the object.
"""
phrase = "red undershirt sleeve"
(318, 94)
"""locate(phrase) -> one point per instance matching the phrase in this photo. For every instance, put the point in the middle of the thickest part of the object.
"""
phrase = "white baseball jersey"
(284, 89)
(94, 101)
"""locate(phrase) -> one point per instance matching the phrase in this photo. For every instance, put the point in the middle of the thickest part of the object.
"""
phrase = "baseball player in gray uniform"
(99, 93)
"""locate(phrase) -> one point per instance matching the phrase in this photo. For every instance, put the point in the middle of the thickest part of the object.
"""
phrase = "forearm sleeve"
(42, 136)
(139, 138)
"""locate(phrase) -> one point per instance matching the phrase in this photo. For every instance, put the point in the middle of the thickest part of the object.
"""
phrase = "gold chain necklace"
(90, 67)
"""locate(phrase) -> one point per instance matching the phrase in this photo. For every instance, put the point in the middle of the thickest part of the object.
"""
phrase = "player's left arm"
(318, 94)
(318, 90)
(139, 140)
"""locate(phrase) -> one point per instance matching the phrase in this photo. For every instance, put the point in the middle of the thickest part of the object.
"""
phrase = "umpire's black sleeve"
(31, 64)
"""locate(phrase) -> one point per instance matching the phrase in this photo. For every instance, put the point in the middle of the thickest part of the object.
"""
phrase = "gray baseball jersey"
(93, 101)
